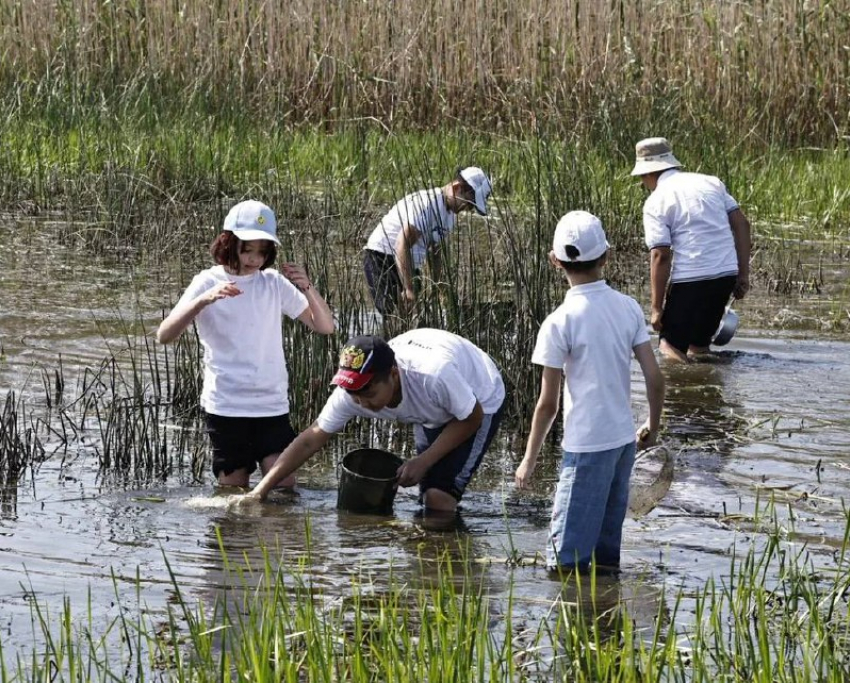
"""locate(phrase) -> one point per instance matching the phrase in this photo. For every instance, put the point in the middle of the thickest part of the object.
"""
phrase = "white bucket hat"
(654, 154)
(252, 220)
(478, 181)
(583, 231)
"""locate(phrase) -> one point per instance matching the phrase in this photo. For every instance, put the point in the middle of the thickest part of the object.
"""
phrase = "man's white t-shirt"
(442, 376)
(245, 371)
(426, 211)
(689, 212)
(591, 336)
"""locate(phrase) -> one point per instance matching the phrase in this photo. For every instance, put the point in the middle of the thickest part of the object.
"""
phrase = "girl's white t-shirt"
(591, 336)
(442, 376)
(245, 372)
(426, 211)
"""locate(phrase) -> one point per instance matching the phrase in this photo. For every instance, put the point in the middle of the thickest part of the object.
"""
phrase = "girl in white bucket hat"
(238, 306)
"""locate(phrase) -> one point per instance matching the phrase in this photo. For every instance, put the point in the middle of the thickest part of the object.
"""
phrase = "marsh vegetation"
(128, 129)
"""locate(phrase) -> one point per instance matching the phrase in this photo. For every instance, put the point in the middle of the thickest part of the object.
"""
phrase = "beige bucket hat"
(654, 154)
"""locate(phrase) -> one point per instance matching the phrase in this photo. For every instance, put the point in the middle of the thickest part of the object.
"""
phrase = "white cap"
(252, 220)
(583, 231)
(653, 154)
(479, 182)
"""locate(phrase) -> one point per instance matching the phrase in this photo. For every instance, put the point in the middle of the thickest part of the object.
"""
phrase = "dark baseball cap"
(360, 360)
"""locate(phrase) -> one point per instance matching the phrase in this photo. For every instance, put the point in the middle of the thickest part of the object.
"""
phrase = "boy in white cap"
(238, 305)
(413, 227)
(589, 341)
(699, 242)
(446, 387)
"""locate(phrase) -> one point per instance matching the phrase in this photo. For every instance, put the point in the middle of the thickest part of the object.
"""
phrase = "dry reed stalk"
(323, 60)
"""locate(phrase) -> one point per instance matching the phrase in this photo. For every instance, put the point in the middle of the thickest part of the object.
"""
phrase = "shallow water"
(771, 417)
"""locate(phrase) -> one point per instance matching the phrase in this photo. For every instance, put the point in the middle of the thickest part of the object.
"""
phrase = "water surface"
(771, 417)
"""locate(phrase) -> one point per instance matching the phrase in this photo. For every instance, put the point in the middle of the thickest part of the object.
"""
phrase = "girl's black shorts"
(242, 442)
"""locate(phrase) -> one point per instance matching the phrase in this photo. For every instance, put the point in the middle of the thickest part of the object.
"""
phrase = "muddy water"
(771, 417)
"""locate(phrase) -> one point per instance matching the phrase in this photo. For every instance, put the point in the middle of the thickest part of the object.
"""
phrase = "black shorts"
(454, 470)
(383, 280)
(693, 310)
(242, 442)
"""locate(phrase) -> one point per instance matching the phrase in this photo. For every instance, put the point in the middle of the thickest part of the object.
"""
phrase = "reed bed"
(141, 402)
(135, 125)
(758, 69)
(774, 616)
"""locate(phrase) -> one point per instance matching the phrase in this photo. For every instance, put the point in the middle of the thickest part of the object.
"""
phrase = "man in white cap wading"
(699, 242)
(414, 229)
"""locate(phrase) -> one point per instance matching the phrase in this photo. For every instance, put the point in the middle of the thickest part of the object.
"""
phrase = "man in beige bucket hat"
(699, 242)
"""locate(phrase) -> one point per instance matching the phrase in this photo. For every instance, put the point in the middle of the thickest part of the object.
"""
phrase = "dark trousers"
(693, 310)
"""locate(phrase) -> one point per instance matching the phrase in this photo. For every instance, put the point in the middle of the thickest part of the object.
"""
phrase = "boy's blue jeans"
(590, 506)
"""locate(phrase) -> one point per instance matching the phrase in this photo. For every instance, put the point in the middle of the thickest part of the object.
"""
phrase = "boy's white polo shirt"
(689, 212)
(245, 373)
(442, 376)
(591, 336)
(425, 210)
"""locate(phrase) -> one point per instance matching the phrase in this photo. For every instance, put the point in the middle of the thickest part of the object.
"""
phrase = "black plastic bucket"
(367, 481)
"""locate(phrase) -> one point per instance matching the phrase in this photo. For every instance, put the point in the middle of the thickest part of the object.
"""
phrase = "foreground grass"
(775, 616)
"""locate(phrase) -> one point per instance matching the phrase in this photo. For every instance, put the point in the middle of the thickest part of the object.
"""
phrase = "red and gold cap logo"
(352, 358)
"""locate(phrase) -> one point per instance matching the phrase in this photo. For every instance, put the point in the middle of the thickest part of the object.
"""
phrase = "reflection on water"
(700, 408)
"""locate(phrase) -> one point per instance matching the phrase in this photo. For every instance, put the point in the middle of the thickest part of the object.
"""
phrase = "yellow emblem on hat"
(352, 357)
(261, 219)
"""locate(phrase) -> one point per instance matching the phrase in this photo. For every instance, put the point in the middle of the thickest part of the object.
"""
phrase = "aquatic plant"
(20, 445)
(777, 614)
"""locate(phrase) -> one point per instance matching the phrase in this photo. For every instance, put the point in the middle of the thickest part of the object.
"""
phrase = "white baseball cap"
(583, 231)
(654, 154)
(478, 181)
(252, 220)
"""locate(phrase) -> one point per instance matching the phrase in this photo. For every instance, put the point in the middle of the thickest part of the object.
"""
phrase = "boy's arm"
(541, 423)
(648, 434)
(294, 455)
(409, 236)
(452, 436)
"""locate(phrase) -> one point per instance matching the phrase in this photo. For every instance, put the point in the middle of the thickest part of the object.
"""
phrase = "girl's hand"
(221, 291)
(297, 275)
